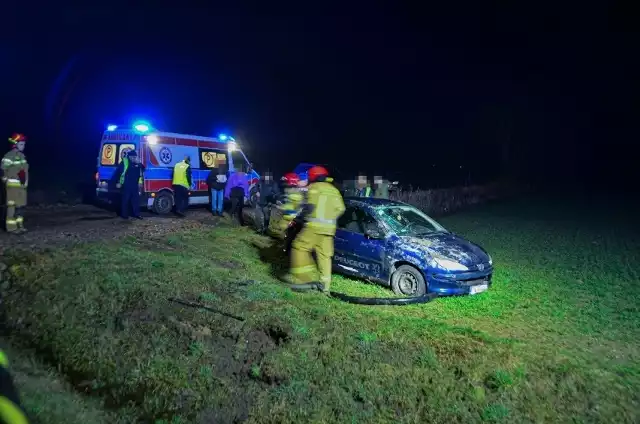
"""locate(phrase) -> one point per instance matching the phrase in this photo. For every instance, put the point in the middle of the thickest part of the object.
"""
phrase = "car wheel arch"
(399, 263)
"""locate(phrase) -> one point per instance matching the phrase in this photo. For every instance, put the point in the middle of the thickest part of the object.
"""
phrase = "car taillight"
(97, 176)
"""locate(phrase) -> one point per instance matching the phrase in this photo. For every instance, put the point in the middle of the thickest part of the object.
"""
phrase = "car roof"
(372, 202)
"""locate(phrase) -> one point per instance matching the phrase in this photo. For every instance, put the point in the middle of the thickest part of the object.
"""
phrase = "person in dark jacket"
(130, 175)
(237, 190)
(216, 181)
(268, 192)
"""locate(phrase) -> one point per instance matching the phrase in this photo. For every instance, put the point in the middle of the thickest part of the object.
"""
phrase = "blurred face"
(362, 180)
(303, 183)
(134, 159)
(20, 145)
(268, 176)
(377, 179)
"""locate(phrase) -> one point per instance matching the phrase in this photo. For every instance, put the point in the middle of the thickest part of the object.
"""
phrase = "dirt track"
(58, 225)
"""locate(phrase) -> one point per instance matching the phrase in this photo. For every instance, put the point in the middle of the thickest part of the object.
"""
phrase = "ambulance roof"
(168, 135)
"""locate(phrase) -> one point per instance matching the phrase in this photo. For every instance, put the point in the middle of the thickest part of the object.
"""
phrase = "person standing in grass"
(237, 190)
(217, 181)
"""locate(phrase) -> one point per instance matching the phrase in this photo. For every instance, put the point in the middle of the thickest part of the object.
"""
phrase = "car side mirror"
(373, 234)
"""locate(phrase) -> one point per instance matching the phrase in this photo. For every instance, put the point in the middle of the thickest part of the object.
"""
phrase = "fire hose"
(375, 301)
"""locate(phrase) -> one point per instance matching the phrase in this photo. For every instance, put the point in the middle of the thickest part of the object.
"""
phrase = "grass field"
(556, 339)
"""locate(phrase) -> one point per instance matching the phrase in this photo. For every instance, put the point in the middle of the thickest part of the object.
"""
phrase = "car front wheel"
(408, 281)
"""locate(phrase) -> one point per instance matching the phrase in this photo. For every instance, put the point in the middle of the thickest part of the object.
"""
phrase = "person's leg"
(240, 208)
(21, 203)
(214, 202)
(220, 201)
(324, 253)
(11, 225)
(135, 204)
(303, 268)
(125, 202)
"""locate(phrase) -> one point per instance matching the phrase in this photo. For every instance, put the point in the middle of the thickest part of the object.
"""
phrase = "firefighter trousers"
(16, 200)
(303, 268)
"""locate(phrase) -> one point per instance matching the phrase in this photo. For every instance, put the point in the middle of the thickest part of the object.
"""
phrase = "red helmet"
(291, 179)
(17, 137)
(316, 172)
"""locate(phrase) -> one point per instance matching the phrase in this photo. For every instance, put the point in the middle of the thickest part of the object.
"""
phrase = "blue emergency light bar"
(112, 127)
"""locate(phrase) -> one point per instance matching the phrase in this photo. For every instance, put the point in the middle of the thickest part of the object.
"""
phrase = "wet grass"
(554, 340)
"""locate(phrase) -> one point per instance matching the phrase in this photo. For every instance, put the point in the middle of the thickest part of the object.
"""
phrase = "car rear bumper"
(461, 283)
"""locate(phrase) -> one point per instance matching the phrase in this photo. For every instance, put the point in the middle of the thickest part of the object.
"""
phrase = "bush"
(442, 201)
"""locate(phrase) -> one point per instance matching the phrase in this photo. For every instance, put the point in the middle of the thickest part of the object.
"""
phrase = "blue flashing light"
(222, 137)
(112, 127)
(141, 126)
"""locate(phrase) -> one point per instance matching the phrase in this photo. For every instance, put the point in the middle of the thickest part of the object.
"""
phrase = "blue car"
(397, 245)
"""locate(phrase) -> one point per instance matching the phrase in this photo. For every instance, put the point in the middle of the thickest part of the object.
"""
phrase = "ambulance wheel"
(407, 281)
(163, 203)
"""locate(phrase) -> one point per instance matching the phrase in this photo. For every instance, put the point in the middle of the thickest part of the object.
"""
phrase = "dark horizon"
(392, 92)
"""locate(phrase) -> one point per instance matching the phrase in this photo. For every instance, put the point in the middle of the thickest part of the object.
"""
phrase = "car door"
(356, 253)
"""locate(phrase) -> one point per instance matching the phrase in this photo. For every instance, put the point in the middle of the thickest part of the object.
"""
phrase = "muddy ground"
(53, 226)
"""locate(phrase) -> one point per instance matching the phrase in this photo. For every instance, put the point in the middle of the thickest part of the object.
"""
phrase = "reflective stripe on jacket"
(327, 206)
(180, 174)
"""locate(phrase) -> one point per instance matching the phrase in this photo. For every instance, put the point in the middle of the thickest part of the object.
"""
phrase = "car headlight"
(490, 260)
(449, 265)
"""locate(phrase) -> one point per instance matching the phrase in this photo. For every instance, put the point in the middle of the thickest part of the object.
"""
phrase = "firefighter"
(11, 411)
(130, 175)
(15, 179)
(324, 205)
(181, 185)
(292, 196)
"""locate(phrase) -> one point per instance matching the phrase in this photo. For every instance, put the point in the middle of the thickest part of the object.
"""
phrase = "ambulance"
(159, 151)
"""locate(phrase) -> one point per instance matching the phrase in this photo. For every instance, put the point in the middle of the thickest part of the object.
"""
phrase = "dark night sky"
(412, 94)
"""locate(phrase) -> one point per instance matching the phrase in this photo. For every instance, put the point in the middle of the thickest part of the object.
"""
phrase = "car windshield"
(407, 220)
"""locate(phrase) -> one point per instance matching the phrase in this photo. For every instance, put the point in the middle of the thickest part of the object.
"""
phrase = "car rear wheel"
(408, 281)
(163, 203)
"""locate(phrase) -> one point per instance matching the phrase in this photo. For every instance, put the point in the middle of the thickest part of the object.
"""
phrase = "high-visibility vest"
(180, 174)
(328, 206)
(10, 410)
(125, 161)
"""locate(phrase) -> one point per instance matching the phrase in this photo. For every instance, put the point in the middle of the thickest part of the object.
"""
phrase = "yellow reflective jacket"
(292, 203)
(326, 207)
(180, 174)
(13, 162)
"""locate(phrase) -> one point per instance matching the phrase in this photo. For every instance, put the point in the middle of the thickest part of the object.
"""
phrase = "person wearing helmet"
(15, 179)
(130, 175)
(320, 212)
(11, 411)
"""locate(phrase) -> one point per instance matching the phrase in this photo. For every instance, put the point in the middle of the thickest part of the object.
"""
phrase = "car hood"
(450, 246)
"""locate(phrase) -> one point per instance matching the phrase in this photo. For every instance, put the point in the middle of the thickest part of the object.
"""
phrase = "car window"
(407, 220)
(357, 220)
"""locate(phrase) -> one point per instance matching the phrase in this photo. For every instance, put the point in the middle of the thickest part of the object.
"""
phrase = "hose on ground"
(377, 301)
